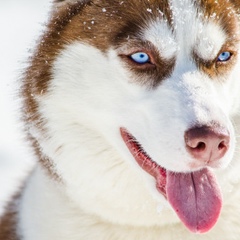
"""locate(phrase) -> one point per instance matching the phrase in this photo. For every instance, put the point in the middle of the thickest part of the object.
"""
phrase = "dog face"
(125, 95)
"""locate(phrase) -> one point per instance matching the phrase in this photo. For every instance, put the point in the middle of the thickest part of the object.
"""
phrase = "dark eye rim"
(149, 64)
(141, 66)
(224, 61)
(141, 63)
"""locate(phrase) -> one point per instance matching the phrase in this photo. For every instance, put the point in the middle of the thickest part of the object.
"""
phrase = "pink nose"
(207, 144)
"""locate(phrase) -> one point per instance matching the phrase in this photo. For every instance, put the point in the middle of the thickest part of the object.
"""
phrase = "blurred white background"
(21, 23)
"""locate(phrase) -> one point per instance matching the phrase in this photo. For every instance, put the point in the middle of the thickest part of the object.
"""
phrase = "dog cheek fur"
(76, 139)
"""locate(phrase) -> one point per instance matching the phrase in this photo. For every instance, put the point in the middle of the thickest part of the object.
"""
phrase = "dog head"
(125, 95)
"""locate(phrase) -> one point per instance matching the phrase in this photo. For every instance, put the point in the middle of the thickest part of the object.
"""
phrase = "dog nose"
(206, 143)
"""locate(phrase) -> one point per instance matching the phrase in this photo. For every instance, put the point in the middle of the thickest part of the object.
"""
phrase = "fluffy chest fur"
(132, 110)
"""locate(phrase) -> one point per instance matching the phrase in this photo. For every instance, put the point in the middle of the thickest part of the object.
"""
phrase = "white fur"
(88, 142)
(159, 33)
(90, 97)
(209, 41)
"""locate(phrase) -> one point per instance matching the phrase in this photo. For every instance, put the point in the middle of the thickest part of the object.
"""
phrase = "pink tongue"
(195, 197)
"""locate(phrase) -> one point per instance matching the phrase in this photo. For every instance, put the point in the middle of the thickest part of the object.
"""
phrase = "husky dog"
(132, 108)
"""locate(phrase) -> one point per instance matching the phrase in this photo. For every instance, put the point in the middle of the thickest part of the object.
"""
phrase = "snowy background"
(21, 24)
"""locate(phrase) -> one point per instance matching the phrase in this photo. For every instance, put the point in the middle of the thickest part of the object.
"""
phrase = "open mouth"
(194, 196)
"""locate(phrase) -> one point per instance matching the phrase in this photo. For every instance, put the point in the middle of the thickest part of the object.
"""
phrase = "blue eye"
(140, 57)
(224, 57)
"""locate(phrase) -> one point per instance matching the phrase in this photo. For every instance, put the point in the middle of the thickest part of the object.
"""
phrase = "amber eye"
(224, 57)
(140, 57)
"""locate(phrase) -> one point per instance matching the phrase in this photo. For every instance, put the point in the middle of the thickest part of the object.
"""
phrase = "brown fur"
(75, 22)
(86, 21)
(104, 24)
(39, 74)
(8, 222)
(7, 227)
(224, 14)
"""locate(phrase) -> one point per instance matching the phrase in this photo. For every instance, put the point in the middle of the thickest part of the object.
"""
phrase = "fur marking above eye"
(140, 57)
(224, 57)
